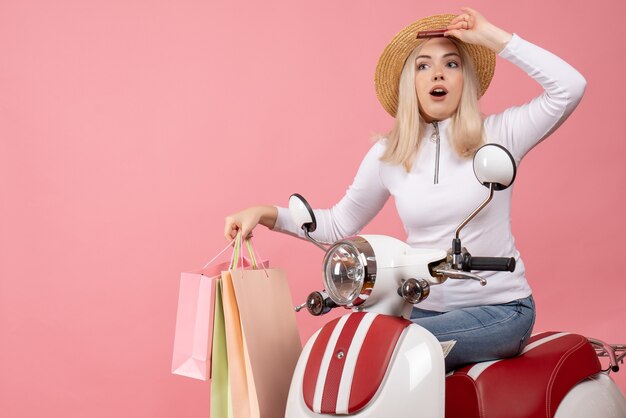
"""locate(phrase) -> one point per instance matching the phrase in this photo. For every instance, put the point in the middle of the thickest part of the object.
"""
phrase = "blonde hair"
(466, 130)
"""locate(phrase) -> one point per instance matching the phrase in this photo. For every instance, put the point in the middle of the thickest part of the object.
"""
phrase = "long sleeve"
(520, 128)
(362, 201)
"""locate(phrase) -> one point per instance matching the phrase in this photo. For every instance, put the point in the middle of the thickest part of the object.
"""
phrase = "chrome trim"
(437, 152)
(478, 209)
(459, 274)
(414, 290)
(615, 353)
(313, 240)
(367, 257)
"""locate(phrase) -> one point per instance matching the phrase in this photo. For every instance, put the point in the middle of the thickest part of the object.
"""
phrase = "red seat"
(530, 385)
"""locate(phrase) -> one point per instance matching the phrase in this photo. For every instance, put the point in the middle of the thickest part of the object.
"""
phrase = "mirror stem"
(318, 244)
(478, 209)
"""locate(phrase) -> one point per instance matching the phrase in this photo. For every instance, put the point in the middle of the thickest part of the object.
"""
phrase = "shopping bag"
(224, 379)
(220, 394)
(237, 380)
(194, 319)
(262, 339)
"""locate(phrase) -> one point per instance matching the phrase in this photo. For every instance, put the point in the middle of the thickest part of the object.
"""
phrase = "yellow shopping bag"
(220, 394)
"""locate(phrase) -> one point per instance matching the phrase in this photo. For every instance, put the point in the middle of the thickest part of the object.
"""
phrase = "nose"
(438, 73)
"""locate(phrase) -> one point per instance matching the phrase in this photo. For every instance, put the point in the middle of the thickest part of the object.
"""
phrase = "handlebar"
(488, 263)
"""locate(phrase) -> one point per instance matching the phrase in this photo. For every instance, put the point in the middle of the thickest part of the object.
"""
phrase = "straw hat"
(391, 62)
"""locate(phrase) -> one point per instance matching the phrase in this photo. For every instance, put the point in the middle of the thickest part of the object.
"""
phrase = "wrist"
(268, 217)
(497, 39)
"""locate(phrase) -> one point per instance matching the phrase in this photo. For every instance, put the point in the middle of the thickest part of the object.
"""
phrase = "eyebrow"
(444, 55)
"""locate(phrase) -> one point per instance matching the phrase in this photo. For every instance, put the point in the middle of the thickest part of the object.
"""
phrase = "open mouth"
(438, 92)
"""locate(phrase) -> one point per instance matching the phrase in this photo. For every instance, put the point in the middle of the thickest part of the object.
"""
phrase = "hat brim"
(391, 62)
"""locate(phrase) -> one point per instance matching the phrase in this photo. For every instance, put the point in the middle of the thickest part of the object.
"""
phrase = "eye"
(421, 66)
(452, 64)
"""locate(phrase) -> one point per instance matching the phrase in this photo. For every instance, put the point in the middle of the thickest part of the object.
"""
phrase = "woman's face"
(438, 79)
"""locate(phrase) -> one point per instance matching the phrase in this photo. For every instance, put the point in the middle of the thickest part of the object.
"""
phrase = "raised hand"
(473, 28)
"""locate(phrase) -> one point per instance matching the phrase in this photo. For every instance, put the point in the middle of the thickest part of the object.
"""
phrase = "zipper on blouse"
(435, 138)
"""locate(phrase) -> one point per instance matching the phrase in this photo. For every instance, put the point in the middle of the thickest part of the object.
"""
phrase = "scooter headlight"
(349, 271)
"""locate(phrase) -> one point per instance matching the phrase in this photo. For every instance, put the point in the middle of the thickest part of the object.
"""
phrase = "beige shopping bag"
(271, 336)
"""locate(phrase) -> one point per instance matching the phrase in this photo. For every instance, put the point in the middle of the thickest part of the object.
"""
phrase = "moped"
(374, 362)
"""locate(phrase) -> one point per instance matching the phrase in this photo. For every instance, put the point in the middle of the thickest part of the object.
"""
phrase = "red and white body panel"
(413, 382)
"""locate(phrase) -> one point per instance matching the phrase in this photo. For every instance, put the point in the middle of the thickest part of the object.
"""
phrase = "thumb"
(456, 33)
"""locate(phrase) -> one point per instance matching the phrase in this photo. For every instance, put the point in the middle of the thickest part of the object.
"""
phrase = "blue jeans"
(481, 333)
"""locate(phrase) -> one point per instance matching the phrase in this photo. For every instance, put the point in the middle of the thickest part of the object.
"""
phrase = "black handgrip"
(488, 263)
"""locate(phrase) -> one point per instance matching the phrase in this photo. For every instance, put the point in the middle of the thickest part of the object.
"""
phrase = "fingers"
(231, 228)
(242, 222)
(456, 20)
(473, 16)
(463, 17)
(456, 33)
(469, 15)
(246, 231)
(460, 25)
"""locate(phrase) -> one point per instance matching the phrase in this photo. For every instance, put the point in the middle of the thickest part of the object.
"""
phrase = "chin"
(436, 117)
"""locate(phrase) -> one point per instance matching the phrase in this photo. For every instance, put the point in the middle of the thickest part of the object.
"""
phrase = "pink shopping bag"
(194, 323)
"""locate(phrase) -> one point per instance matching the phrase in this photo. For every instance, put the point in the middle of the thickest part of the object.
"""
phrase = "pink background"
(129, 129)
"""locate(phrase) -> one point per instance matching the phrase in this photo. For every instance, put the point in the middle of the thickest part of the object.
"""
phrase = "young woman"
(432, 86)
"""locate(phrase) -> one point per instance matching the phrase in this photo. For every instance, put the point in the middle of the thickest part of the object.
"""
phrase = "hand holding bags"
(263, 342)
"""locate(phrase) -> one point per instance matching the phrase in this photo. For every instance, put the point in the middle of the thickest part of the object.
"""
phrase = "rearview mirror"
(494, 165)
(303, 216)
(301, 213)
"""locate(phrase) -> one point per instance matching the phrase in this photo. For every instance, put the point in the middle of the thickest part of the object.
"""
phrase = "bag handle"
(233, 256)
(254, 257)
(254, 253)
(238, 255)
(220, 253)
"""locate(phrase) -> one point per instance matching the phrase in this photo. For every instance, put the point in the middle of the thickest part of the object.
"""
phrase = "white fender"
(595, 397)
